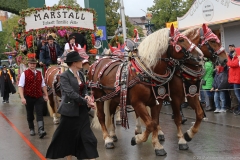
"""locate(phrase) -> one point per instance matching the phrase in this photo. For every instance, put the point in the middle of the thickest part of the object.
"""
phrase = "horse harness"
(142, 75)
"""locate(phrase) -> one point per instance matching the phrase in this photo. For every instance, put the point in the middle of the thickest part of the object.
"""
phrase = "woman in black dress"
(73, 137)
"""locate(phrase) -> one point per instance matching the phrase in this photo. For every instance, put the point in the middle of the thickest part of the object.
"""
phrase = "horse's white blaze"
(200, 52)
(108, 140)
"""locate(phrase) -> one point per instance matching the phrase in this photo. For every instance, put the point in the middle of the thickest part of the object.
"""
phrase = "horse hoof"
(114, 138)
(109, 145)
(183, 147)
(186, 137)
(118, 122)
(160, 152)
(161, 138)
(133, 141)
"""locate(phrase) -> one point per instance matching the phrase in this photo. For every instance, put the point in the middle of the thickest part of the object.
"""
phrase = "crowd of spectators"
(221, 84)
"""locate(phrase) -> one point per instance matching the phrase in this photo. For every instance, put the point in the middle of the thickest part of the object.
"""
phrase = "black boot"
(211, 106)
(184, 119)
(41, 131)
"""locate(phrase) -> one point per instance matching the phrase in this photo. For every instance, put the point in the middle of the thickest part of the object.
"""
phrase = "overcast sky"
(132, 7)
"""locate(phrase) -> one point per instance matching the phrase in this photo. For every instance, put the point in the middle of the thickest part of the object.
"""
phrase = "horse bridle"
(187, 52)
(214, 54)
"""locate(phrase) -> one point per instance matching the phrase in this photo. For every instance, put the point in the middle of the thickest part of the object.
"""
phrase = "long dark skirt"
(73, 137)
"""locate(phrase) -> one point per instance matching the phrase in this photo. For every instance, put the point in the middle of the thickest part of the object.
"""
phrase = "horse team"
(166, 61)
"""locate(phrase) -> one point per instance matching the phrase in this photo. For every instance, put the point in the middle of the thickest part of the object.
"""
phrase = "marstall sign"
(59, 18)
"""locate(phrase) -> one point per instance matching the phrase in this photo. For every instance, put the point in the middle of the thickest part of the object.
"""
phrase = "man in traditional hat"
(49, 52)
(31, 88)
(6, 81)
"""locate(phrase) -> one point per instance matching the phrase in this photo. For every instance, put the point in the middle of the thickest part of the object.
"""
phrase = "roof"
(137, 20)
(210, 12)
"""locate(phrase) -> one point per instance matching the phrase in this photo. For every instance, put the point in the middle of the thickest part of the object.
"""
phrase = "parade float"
(59, 21)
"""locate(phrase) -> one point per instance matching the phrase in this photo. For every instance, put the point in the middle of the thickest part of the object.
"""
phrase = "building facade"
(222, 16)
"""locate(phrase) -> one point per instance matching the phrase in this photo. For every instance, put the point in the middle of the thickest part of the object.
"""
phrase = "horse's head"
(182, 49)
(168, 45)
(209, 44)
(85, 67)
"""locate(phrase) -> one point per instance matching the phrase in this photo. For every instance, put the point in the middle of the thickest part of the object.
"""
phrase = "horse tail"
(95, 122)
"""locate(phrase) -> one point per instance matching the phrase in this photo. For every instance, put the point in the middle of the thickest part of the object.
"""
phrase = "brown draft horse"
(155, 47)
(52, 76)
(211, 47)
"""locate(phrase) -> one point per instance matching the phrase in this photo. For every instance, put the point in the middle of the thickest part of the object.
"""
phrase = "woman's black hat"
(73, 57)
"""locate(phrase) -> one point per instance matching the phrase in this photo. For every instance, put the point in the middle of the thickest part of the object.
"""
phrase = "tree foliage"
(68, 3)
(168, 10)
(113, 16)
(6, 34)
(13, 6)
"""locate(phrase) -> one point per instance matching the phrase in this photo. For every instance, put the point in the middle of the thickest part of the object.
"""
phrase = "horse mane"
(153, 47)
(192, 31)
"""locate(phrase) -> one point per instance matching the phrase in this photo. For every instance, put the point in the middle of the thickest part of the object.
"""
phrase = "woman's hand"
(90, 102)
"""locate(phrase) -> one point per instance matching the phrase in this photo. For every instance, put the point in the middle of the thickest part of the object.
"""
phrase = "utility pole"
(122, 12)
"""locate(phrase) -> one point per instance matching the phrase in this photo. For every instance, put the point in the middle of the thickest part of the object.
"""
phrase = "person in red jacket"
(234, 74)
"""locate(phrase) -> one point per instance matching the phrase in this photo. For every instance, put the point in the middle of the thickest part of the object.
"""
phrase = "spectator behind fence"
(219, 84)
(234, 74)
(207, 85)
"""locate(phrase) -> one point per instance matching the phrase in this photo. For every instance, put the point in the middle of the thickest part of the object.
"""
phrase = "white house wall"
(210, 12)
(232, 35)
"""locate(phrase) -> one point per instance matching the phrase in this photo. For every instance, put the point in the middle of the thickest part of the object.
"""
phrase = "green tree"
(6, 34)
(168, 10)
(68, 3)
(113, 16)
